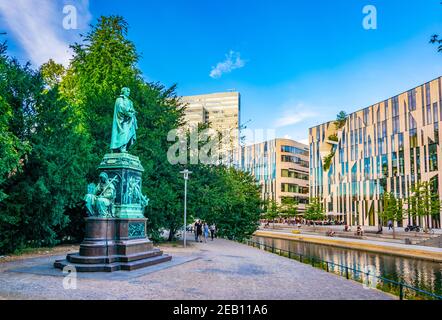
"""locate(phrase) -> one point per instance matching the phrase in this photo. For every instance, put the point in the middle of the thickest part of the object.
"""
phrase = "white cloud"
(37, 27)
(233, 61)
(294, 115)
(304, 141)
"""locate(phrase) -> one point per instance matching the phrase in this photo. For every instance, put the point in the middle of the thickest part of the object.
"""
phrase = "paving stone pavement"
(215, 270)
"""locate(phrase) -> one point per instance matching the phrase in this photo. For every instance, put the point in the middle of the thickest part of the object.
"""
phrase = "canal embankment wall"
(413, 251)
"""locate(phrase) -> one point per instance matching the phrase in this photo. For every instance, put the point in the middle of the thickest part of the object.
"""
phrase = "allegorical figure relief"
(124, 124)
(100, 198)
(134, 194)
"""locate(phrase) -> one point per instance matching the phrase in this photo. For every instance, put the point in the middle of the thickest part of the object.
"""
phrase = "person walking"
(390, 224)
(195, 230)
(199, 231)
(206, 231)
(212, 231)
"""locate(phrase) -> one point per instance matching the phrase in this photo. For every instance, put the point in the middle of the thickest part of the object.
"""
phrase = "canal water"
(422, 274)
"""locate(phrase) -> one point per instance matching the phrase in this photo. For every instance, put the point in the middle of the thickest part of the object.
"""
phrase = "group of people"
(359, 230)
(301, 221)
(202, 231)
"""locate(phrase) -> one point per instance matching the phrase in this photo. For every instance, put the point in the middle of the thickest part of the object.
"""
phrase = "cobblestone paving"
(224, 270)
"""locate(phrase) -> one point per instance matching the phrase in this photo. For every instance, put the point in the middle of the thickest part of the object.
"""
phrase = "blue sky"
(296, 63)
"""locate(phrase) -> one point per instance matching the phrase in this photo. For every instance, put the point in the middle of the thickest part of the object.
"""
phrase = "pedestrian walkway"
(220, 269)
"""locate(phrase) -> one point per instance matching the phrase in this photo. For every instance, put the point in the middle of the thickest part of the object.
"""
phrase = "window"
(418, 160)
(366, 114)
(429, 119)
(401, 163)
(428, 93)
(385, 165)
(293, 188)
(412, 100)
(396, 125)
(432, 154)
(394, 163)
(298, 200)
(412, 162)
(285, 173)
(294, 159)
(401, 141)
(395, 107)
(413, 132)
(384, 129)
(294, 150)
(413, 138)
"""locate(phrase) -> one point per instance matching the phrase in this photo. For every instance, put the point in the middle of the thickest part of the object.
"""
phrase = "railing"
(400, 289)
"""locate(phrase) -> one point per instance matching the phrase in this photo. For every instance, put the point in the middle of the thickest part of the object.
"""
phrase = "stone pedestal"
(118, 243)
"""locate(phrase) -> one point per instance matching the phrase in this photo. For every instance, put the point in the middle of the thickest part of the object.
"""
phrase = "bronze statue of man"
(124, 125)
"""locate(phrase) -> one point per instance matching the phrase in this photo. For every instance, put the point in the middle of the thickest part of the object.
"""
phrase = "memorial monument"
(115, 237)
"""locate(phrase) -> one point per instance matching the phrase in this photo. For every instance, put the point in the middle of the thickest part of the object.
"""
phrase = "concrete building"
(222, 111)
(387, 147)
(281, 167)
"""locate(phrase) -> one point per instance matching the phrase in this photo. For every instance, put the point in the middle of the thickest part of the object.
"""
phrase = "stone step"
(77, 258)
(115, 266)
(433, 242)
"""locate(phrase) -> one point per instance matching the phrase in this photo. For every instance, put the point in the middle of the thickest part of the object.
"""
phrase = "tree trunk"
(171, 235)
(394, 231)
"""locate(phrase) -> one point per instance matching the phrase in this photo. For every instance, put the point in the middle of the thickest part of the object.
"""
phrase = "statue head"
(125, 92)
(103, 177)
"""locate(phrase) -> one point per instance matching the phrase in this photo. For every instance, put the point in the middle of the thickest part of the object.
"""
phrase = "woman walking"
(199, 231)
(206, 231)
(195, 230)
(212, 230)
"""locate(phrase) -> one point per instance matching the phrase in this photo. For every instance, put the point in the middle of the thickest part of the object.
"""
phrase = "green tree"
(289, 208)
(238, 218)
(341, 119)
(423, 203)
(52, 73)
(50, 178)
(315, 210)
(12, 149)
(328, 160)
(392, 210)
(102, 64)
(272, 211)
(435, 40)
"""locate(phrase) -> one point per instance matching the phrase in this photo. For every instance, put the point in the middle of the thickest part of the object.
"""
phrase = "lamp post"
(186, 177)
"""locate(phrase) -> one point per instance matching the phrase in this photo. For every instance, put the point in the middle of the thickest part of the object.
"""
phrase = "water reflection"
(425, 275)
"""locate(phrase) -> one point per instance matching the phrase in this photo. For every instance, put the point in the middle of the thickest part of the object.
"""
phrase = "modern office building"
(387, 147)
(222, 112)
(281, 167)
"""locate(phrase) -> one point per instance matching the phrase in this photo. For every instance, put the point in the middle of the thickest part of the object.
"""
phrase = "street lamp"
(186, 177)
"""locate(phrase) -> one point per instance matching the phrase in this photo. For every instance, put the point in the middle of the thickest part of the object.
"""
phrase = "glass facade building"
(281, 167)
(387, 147)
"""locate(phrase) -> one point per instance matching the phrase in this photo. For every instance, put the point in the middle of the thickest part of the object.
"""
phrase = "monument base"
(113, 244)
